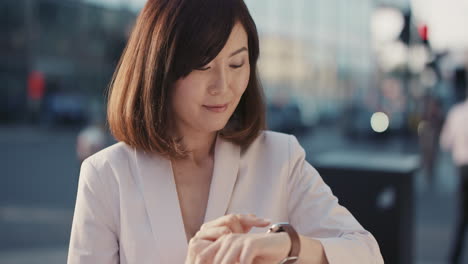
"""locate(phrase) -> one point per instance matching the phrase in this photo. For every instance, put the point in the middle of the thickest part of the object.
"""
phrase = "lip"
(216, 108)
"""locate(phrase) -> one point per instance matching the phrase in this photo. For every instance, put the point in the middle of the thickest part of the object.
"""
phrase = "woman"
(194, 166)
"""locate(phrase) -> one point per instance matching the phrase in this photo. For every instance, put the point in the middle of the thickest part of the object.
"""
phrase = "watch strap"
(293, 255)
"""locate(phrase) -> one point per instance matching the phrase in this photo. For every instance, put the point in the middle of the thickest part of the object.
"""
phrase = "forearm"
(312, 252)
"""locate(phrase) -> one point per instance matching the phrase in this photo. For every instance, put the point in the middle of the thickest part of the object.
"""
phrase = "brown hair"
(169, 40)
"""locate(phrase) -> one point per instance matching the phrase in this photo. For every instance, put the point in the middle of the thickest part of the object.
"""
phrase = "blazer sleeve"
(93, 236)
(315, 212)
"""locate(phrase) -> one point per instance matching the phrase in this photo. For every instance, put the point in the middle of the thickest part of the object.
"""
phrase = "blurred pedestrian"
(90, 140)
(36, 91)
(94, 136)
(460, 82)
(454, 138)
(429, 134)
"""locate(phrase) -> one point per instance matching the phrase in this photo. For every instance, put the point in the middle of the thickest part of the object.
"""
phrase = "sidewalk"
(35, 256)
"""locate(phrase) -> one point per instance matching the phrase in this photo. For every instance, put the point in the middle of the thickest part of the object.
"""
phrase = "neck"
(200, 146)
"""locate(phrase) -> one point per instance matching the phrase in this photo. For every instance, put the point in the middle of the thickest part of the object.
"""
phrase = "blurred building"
(326, 55)
(74, 44)
(319, 50)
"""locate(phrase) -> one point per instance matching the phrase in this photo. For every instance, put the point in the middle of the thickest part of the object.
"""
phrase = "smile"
(216, 108)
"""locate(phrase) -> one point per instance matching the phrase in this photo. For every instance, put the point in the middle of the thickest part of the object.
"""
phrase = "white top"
(127, 209)
(454, 135)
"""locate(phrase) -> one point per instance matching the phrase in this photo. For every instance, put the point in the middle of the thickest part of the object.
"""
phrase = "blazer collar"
(156, 181)
(225, 171)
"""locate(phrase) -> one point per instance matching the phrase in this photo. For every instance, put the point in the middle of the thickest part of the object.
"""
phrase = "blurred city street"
(368, 80)
(37, 195)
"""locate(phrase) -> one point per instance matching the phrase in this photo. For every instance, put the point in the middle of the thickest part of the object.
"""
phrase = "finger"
(214, 223)
(231, 221)
(238, 223)
(208, 253)
(233, 252)
(200, 245)
(248, 222)
(226, 242)
(213, 233)
(195, 247)
(252, 220)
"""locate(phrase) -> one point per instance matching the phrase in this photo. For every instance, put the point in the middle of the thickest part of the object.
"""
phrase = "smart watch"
(293, 255)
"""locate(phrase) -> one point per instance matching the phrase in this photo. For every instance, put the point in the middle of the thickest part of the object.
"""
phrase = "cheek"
(185, 96)
(242, 81)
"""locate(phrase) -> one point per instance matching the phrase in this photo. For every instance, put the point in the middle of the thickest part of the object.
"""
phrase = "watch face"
(279, 227)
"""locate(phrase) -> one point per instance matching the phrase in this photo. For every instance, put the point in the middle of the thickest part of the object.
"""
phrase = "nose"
(219, 83)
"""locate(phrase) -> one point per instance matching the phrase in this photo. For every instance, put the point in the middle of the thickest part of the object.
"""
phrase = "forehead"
(237, 39)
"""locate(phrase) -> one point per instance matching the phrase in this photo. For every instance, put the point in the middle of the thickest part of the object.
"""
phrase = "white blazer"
(127, 209)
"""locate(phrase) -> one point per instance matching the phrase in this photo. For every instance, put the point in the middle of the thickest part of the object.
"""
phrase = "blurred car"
(65, 108)
(356, 122)
(285, 118)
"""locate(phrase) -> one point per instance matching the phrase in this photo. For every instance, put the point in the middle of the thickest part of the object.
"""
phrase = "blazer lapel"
(225, 171)
(157, 183)
(162, 204)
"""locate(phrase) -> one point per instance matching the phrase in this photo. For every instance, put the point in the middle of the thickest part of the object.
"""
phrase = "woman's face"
(204, 100)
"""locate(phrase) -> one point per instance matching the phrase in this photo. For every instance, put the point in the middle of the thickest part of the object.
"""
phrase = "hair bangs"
(203, 33)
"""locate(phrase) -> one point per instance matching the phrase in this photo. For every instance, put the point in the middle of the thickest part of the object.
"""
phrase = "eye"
(237, 66)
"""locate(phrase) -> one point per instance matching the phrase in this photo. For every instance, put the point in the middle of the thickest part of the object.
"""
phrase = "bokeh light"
(379, 122)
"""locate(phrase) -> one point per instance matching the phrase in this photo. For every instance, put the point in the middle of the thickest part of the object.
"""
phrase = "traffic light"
(405, 35)
(423, 34)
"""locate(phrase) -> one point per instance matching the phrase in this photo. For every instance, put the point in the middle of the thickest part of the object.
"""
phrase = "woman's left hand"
(246, 249)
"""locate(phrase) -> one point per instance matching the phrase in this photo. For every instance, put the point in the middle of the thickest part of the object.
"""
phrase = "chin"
(214, 127)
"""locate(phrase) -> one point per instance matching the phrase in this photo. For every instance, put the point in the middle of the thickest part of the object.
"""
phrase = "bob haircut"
(170, 39)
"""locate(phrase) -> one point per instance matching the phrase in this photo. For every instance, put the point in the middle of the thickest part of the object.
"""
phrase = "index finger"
(240, 223)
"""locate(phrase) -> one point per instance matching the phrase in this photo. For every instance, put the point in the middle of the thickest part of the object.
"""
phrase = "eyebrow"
(238, 51)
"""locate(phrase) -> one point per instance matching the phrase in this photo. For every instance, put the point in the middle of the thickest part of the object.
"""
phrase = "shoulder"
(108, 164)
(274, 145)
(114, 154)
(269, 140)
(276, 140)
